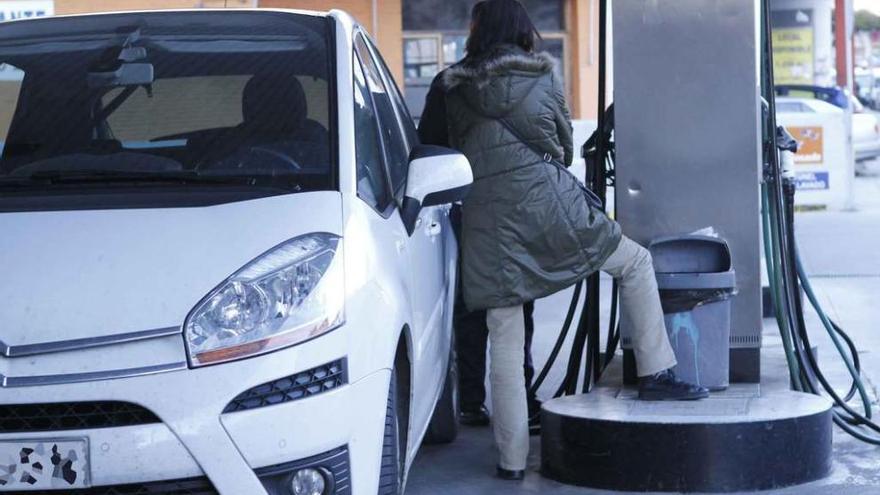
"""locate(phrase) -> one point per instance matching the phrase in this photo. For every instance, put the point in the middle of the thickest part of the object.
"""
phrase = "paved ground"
(841, 252)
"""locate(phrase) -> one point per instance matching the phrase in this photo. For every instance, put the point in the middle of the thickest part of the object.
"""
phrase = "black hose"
(812, 376)
(569, 383)
(560, 341)
(808, 372)
(784, 245)
(854, 356)
(812, 379)
(592, 367)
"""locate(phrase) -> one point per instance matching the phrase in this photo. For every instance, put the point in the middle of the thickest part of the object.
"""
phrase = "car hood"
(86, 274)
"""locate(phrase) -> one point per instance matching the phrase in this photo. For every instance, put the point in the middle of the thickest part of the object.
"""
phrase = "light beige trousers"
(631, 265)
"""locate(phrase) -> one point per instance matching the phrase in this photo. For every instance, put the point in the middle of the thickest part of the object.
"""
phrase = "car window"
(396, 149)
(10, 89)
(406, 120)
(184, 105)
(793, 107)
(196, 103)
(857, 105)
(239, 100)
(371, 184)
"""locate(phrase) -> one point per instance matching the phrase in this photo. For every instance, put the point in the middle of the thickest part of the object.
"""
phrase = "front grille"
(22, 418)
(275, 478)
(294, 387)
(194, 486)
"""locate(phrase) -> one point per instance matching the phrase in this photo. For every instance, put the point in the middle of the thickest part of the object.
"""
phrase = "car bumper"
(867, 150)
(194, 438)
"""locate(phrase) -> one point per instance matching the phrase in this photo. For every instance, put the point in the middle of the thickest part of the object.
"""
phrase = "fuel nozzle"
(785, 141)
(787, 146)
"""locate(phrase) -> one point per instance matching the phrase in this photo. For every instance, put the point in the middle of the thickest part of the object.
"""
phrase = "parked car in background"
(866, 133)
(227, 261)
(868, 87)
(865, 125)
(834, 95)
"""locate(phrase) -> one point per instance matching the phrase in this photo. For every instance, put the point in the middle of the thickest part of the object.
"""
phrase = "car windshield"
(793, 107)
(193, 100)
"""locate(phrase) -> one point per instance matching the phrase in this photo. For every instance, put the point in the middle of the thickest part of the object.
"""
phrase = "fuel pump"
(604, 438)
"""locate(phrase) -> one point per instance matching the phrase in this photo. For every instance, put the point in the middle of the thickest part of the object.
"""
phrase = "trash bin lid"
(697, 281)
(690, 254)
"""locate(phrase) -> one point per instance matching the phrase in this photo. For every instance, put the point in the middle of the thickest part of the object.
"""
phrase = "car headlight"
(288, 295)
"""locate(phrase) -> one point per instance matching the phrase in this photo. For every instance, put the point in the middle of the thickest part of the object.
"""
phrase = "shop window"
(555, 45)
(435, 38)
(424, 15)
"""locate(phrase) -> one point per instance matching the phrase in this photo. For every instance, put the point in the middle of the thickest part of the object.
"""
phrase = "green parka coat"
(527, 230)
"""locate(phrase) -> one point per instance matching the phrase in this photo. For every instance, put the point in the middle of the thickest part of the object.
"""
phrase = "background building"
(418, 38)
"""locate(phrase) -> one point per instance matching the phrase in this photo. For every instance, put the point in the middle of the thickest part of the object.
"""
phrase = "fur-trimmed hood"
(502, 62)
(499, 80)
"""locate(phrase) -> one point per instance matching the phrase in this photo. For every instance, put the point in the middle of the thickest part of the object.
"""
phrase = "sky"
(872, 5)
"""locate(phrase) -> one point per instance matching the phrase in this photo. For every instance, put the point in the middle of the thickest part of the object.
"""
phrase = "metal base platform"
(737, 440)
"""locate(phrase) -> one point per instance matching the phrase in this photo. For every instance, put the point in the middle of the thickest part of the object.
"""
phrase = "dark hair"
(500, 21)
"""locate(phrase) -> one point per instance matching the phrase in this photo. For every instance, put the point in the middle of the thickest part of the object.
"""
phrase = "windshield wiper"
(118, 176)
(176, 176)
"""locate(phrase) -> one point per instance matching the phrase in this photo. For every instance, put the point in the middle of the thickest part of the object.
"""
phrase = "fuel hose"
(788, 279)
(598, 153)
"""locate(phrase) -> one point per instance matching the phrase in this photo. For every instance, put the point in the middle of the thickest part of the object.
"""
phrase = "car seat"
(274, 110)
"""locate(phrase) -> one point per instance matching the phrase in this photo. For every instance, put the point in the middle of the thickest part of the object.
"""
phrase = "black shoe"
(666, 386)
(474, 417)
(510, 475)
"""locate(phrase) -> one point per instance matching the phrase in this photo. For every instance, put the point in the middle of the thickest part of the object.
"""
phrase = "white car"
(865, 125)
(868, 81)
(227, 264)
(866, 132)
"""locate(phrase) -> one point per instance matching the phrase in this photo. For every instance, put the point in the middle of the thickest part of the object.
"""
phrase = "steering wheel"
(255, 157)
(275, 155)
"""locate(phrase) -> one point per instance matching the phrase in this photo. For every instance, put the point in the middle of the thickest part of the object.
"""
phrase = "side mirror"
(437, 176)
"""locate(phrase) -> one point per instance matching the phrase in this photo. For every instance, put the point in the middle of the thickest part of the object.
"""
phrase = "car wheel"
(444, 422)
(391, 472)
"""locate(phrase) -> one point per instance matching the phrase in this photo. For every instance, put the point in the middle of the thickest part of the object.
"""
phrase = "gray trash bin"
(696, 281)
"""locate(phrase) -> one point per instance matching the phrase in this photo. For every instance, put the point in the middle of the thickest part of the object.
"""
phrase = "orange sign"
(810, 144)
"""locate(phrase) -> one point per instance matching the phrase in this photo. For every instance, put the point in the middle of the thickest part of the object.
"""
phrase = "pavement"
(840, 251)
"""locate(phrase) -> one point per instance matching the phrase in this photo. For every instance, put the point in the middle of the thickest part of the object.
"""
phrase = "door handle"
(434, 228)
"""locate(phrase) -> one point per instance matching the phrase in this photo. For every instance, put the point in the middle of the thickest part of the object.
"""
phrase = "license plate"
(44, 464)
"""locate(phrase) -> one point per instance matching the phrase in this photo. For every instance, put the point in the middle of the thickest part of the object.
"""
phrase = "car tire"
(391, 472)
(443, 427)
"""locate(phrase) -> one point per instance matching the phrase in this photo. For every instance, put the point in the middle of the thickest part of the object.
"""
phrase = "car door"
(425, 246)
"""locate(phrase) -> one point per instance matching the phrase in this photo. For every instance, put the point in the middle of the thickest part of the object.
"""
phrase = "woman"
(471, 332)
(527, 229)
